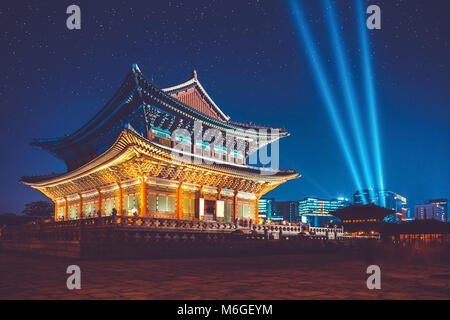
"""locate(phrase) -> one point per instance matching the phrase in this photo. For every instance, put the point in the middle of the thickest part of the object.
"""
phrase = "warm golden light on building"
(124, 161)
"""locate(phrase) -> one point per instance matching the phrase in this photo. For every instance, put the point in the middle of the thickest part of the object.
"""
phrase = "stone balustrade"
(72, 229)
(261, 228)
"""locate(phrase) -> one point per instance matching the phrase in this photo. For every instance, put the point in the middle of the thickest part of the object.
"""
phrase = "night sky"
(250, 58)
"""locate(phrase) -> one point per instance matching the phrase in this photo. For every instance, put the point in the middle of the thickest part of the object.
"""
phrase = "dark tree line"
(39, 209)
(36, 210)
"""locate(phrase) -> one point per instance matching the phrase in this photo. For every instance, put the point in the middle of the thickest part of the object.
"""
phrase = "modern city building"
(430, 211)
(343, 202)
(318, 219)
(443, 203)
(314, 211)
(288, 210)
(384, 198)
(321, 206)
(266, 208)
(148, 153)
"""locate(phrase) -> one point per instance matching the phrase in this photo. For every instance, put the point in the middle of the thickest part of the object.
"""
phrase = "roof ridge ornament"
(194, 74)
(135, 67)
(129, 127)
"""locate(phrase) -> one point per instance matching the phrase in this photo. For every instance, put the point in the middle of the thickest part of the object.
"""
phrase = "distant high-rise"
(314, 211)
(266, 208)
(288, 209)
(315, 205)
(384, 198)
(318, 219)
(443, 203)
(430, 211)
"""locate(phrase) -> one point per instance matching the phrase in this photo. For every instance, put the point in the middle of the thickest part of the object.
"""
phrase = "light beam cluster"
(324, 86)
(349, 91)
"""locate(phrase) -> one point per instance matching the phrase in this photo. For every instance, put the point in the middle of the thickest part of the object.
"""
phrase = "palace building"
(150, 152)
(362, 218)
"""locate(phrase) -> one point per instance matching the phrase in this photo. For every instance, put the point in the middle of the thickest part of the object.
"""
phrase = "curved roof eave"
(119, 150)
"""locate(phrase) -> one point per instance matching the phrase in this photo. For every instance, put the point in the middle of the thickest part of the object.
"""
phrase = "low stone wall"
(112, 243)
(115, 237)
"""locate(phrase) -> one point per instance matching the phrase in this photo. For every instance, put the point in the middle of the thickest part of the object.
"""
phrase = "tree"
(39, 209)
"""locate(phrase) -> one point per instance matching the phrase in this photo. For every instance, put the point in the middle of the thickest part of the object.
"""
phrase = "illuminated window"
(163, 203)
(202, 148)
(90, 208)
(60, 213)
(188, 208)
(108, 204)
(74, 211)
(220, 152)
(246, 211)
(160, 136)
(131, 201)
(183, 143)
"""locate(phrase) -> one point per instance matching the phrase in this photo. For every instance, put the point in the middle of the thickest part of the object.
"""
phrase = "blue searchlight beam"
(370, 93)
(349, 93)
(324, 87)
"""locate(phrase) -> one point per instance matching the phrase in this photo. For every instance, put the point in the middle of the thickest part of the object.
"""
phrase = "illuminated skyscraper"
(320, 206)
(391, 200)
(443, 203)
(315, 211)
(266, 208)
(289, 210)
(430, 211)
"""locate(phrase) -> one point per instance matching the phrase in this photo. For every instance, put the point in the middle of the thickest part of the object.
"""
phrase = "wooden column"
(235, 206)
(143, 200)
(256, 210)
(99, 206)
(197, 202)
(120, 200)
(81, 206)
(56, 210)
(219, 191)
(66, 212)
(179, 202)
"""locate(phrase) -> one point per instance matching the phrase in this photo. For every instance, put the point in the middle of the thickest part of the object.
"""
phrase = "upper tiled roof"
(194, 95)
